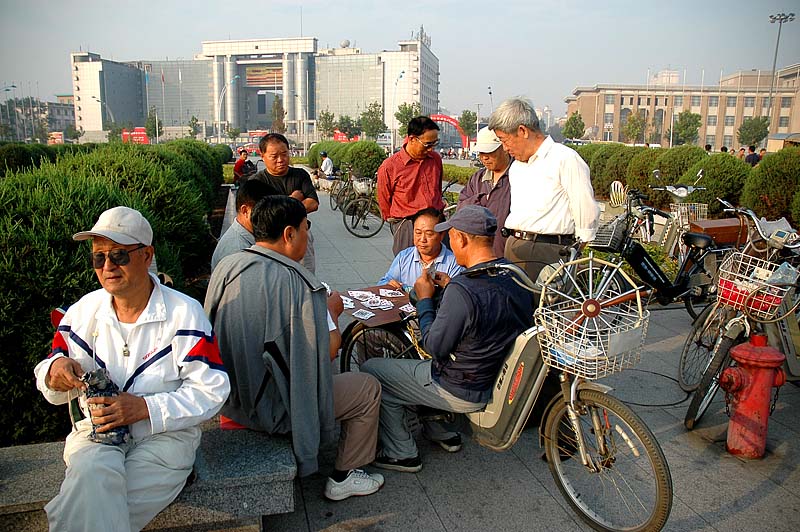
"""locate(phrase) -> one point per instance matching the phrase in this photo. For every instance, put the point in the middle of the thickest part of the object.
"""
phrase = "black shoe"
(451, 445)
(406, 465)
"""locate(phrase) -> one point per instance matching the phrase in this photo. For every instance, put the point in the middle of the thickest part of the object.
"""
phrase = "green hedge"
(17, 156)
(460, 174)
(601, 180)
(223, 152)
(640, 169)
(365, 156)
(723, 177)
(771, 189)
(616, 168)
(587, 151)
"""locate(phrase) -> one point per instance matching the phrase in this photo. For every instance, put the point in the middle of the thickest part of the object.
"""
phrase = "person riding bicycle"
(243, 168)
(480, 315)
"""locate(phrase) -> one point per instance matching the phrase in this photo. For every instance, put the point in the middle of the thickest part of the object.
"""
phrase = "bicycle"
(362, 215)
(603, 458)
(748, 300)
(699, 347)
(341, 188)
(682, 214)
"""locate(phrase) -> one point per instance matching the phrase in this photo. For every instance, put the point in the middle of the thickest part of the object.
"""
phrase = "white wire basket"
(686, 213)
(610, 237)
(743, 283)
(591, 319)
(363, 186)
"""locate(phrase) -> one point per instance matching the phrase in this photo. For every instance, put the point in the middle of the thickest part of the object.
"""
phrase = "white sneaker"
(358, 482)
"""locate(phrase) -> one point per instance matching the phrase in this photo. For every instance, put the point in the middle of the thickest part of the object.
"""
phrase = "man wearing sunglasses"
(275, 337)
(157, 346)
(411, 180)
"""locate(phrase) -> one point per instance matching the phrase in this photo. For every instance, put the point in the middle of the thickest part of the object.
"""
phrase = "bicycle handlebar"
(744, 211)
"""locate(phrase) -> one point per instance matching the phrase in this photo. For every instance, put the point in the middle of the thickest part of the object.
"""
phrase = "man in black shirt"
(467, 337)
(752, 157)
(294, 182)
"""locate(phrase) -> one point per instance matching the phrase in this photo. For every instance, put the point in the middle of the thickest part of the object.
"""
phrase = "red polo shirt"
(406, 186)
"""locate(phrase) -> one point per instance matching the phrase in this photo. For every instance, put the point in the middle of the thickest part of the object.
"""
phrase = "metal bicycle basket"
(363, 185)
(610, 237)
(596, 331)
(744, 282)
(686, 213)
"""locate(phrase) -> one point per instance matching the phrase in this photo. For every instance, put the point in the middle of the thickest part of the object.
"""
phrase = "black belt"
(538, 237)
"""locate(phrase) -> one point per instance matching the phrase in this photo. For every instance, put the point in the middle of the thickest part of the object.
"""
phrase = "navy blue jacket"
(468, 337)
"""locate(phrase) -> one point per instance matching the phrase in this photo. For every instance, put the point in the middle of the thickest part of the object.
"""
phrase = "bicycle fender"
(586, 385)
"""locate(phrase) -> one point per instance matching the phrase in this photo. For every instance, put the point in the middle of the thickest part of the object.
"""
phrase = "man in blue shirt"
(468, 337)
(427, 251)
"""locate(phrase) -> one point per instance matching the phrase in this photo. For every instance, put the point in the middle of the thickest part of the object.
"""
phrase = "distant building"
(235, 83)
(723, 107)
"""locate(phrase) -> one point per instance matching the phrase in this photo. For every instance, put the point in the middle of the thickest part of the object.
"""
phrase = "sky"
(541, 49)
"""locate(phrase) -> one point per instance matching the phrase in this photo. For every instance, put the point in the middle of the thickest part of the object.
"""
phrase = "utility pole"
(780, 18)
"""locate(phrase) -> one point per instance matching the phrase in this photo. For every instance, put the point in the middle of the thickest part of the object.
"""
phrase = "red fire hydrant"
(749, 394)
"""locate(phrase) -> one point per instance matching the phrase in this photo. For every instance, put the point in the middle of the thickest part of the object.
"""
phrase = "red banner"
(137, 136)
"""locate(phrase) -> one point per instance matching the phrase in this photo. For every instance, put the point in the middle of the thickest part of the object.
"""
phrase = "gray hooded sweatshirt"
(270, 317)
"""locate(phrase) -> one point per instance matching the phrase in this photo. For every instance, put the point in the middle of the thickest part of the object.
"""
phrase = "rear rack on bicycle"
(743, 282)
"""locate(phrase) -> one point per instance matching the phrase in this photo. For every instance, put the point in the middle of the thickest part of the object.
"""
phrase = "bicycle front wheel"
(364, 343)
(333, 194)
(362, 218)
(698, 350)
(628, 485)
(709, 384)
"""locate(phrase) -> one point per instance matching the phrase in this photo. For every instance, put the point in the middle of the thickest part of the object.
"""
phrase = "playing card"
(361, 295)
(348, 303)
(386, 305)
(363, 314)
(408, 308)
(391, 293)
(432, 269)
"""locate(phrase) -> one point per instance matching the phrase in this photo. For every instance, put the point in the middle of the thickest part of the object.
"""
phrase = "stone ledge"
(241, 475)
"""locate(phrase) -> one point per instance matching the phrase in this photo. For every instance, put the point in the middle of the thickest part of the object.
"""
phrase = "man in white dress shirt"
(552, 200)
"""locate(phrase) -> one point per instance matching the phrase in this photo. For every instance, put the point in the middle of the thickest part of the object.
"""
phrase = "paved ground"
(481, 490)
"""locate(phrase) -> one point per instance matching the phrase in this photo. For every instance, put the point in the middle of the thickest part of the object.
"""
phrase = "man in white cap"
(480, 315)
(156, 345)
(489, 187)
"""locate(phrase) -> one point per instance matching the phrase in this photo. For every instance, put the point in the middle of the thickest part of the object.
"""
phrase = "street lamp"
(108, 109)
(394, 108)
(477, 125)
(780, 18)
(491, 100)
(219, 107)
(9, 88)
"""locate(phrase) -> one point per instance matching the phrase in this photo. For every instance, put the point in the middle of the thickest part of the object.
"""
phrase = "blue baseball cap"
(472, 219)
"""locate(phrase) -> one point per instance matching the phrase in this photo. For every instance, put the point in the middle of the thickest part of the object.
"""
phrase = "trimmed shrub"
(640, 169)
(460, 174)
(597, 168)
(617, 165)
(724, 176)
(314, 160)
(675, 161)
(340, 153)
(16, 156)
(42, 268)
(223, 152)
(365, 156)
(772, 186)
(795, 209)
(203, 155)
(587, 151)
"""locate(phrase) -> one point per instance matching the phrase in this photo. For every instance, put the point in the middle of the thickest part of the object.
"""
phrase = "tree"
(72, 133)
(371, 120)
(346, 125)
(278, 113)
(574, 128)
(686, 128)
(404, 114)
(234, 133)
(194, 127)
(633, 127)
(150, 124)
(555, 132)
(42, 131)
(753, 130)
(468, 122)
(326, 123)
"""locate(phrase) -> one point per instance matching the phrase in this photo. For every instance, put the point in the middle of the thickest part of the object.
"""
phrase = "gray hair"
(513, 113)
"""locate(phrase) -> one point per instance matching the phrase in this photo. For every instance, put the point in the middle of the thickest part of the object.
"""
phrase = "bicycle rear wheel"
(629, 486)
(698, 350)
(709, 384)
(362, 218)
(336, 186)
(363, 343)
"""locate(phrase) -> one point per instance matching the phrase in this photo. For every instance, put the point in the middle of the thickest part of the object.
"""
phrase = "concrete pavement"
(478, 489)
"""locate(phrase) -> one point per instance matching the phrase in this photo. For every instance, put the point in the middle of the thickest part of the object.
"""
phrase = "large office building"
(722, 107)
(233, 84)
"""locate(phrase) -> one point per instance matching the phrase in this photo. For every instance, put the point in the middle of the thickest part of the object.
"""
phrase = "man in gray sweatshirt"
(271, 320)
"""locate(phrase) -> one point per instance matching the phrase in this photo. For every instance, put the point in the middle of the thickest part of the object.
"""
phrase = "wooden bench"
(240, 476)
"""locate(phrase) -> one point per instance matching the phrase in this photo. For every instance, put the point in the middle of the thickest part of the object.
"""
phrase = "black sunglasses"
(120, 257)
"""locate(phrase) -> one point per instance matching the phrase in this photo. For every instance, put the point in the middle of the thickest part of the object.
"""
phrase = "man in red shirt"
(411, 180)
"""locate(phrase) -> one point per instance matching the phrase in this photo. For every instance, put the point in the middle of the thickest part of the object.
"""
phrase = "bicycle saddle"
(697, 240)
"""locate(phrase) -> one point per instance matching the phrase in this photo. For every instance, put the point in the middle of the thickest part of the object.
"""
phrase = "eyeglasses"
(119, 257)
(428, 145)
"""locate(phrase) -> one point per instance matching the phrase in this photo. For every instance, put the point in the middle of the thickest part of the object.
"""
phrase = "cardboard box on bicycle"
(724, 231)
(499, 424)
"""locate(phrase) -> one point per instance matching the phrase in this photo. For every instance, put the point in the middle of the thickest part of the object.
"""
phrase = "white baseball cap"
(122, 225)
(487, 141)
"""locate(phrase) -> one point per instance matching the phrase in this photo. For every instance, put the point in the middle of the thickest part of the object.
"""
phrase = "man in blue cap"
(468, 337)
